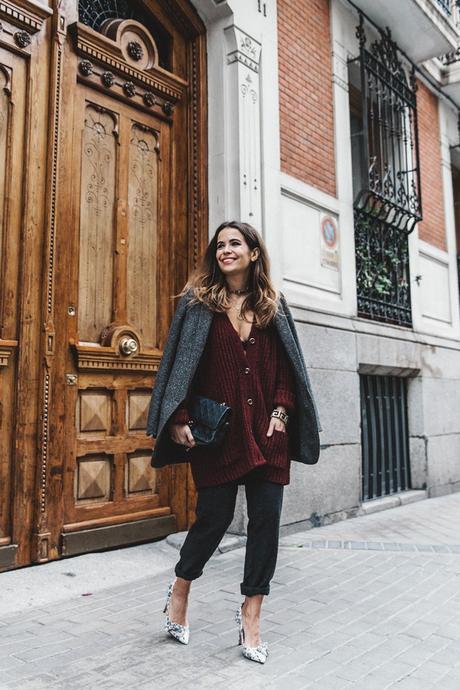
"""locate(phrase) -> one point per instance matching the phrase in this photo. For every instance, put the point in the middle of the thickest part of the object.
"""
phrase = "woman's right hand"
(182, 434)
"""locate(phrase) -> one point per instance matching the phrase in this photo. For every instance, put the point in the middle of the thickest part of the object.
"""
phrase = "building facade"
(128, 132)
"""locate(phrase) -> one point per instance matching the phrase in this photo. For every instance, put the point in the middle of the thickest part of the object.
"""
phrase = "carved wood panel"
(94, 412)
(144, 152)
(12, 135)
(122, 172)
(93, 478)
(137, 410)
(97, 204)
(5, 91)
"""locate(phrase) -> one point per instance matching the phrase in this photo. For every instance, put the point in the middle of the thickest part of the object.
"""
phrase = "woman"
(233, 340)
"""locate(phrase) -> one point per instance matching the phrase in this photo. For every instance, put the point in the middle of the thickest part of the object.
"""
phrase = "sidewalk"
(369, 603)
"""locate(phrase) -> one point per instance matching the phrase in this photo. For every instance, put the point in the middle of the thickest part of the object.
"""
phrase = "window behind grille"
(386, 175)
(384, 436)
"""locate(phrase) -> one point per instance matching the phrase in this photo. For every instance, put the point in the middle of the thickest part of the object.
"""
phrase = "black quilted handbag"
(209, 421)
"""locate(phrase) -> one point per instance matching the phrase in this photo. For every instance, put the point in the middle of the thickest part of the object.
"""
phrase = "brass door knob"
(128, 346)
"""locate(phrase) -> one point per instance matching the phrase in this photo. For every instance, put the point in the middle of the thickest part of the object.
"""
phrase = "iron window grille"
(386, 176)
(445, 6)
(384, 436)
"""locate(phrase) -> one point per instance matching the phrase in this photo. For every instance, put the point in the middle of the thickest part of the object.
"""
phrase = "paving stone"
(414, 683)
(44, 680)
(330, 682)
(364, 608)
(430, 671)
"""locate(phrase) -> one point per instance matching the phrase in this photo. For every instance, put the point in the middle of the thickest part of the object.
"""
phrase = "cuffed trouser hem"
(186, 576)
(251, 591)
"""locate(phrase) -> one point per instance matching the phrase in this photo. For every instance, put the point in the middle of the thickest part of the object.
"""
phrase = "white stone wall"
(243, 150)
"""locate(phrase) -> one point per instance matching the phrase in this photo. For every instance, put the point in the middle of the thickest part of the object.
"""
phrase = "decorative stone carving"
(107, 78)
(129, 89)
(22, 39)
(135, 50)
(244, 49)
(243, 86)
(85, 67)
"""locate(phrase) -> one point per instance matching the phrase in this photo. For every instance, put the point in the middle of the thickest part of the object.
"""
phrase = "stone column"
(242, 107)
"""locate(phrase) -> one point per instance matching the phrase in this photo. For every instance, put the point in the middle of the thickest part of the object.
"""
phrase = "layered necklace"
(242, 291)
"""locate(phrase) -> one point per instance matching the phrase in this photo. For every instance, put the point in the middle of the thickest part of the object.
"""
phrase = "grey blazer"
(184, 346)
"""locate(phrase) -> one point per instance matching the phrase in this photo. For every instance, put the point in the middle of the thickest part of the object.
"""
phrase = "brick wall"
(305, 82)
(432, 228)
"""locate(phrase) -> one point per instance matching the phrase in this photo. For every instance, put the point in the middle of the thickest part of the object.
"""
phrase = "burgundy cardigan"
(252, 377)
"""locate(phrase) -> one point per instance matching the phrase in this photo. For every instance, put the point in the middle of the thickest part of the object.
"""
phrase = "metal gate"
(384, 436)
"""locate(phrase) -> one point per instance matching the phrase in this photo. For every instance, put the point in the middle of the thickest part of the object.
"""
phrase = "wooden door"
(122, 178)
(23, 113)
(129, 169)
(122, 189)
(102, 215)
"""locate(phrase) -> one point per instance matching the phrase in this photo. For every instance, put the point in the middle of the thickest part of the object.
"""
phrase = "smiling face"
(233, 254)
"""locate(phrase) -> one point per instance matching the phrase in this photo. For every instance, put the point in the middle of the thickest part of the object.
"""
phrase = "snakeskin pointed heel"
(181, 633)
(259, 653)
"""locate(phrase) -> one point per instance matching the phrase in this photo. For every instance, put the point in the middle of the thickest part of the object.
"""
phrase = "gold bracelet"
(279, 414)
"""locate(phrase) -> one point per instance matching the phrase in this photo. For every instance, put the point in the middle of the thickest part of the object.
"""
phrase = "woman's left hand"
(276, 425)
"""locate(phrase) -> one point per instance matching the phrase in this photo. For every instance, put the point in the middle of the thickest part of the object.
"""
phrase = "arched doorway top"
(99, 14)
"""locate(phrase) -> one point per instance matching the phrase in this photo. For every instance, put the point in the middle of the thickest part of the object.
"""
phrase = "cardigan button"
(247, 370)
(249, 401)
(252, 340)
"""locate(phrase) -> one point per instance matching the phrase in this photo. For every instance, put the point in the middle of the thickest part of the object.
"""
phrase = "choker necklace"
(243, 291)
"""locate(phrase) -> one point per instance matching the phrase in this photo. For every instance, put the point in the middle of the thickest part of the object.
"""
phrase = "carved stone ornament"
(249, 46)
(168, 108)
(242, 48)
(86, 68)
(22, 39)
(149, 99)
(129, 88)
(135, 50)
(107, 79)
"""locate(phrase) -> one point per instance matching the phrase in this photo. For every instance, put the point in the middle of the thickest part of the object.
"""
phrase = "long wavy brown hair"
(209, 286)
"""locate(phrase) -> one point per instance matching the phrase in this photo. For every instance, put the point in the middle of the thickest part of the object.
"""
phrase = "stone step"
(393, 501)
